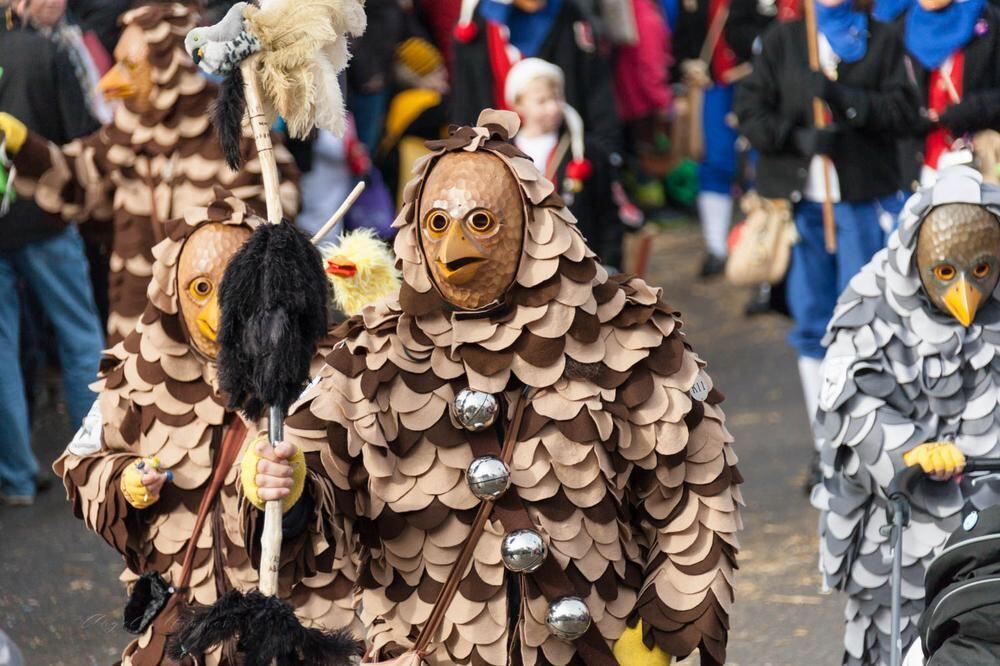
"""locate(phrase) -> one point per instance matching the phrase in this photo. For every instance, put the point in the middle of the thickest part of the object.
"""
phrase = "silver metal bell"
(523, 551)
(568, 618)
(488, 477)
(476, 410)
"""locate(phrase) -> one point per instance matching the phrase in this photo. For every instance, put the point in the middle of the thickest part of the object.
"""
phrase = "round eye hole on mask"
(200, 288)
(436, 222)
(482, 222)
(981, 271)
(945, 272)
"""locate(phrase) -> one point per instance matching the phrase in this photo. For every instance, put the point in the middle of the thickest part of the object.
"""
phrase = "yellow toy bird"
(361, 269)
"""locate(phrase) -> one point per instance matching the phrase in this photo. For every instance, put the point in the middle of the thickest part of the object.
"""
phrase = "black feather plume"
(227, 117)
(267, 632)
(273, 300)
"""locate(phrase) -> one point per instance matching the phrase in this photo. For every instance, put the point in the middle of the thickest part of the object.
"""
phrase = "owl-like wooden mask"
(204, 258)
(471, 228)
(958, 256)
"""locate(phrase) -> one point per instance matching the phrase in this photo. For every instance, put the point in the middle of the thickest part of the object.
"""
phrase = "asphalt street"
(60, 598)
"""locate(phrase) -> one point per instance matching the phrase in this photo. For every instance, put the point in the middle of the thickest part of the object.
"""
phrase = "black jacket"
(961, 623)
(594, 205)
(39, 88)
(571, 46)
(879, 105)
(373, 52)
(748, 19)
(101, 16)
(688, 37)
(980, 106)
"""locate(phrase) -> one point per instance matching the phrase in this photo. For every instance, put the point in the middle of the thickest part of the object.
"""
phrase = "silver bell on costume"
(476, 410)
(568, 618)
(488, 477)
(523, 551)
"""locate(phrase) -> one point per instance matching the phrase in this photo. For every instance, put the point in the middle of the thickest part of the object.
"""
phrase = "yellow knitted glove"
(15, 131)
(938, 458)
(248, 475)
(134, 492)
(631, 651)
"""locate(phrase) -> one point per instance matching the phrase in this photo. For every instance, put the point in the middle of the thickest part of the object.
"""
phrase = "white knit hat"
(524, 72)
(527, 70)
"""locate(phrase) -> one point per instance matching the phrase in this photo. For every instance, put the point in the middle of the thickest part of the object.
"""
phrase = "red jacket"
(642, 70)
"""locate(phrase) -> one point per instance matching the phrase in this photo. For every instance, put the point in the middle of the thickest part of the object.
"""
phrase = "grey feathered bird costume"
(900, 372)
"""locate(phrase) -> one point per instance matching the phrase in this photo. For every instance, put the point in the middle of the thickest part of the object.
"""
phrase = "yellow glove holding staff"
(142, 481)
(15, 131)
(941, 460)
(629, 650)
(273, 473)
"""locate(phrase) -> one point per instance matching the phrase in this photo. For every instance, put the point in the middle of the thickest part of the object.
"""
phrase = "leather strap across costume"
(231, 444)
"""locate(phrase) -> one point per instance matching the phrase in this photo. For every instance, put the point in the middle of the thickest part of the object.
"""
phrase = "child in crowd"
(552, 135)
(418, 111)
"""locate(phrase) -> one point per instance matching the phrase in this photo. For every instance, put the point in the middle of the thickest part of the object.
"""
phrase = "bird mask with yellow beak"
(151, 67)
(958, 258)
(131, 78)
(202, 262)
(471, 233)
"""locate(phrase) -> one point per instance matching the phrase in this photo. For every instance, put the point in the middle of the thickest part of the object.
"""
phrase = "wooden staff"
(270, 540)
(262, 138)
(819, 120)
(266, 627)
(339, 213)
(695, 90)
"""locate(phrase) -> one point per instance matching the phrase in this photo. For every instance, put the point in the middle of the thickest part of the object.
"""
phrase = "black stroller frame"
(898, 517)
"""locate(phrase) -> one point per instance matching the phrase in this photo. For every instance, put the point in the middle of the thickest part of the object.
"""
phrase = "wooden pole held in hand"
(270, 540)
(819, 120)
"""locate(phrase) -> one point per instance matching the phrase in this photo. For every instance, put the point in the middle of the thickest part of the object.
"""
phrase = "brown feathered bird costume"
(622, 458)
(158, 149)
(159, 397)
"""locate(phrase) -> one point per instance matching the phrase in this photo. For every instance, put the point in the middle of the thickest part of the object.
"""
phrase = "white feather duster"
(303, 50)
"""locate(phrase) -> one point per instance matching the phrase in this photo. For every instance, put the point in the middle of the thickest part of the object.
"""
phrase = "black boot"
(813, 476)
(760, 302)
(713, 265)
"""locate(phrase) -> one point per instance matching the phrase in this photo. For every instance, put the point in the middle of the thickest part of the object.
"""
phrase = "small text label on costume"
(701, 388)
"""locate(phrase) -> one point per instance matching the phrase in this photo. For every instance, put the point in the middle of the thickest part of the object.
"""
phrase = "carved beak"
(341, 267)
(208, 320)
(962, 300)
(198, 54)
(458, 259)
(116, 84)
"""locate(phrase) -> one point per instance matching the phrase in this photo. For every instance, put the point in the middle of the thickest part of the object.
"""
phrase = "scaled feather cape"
(630, 480)
(159, 397)
(898, 373)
